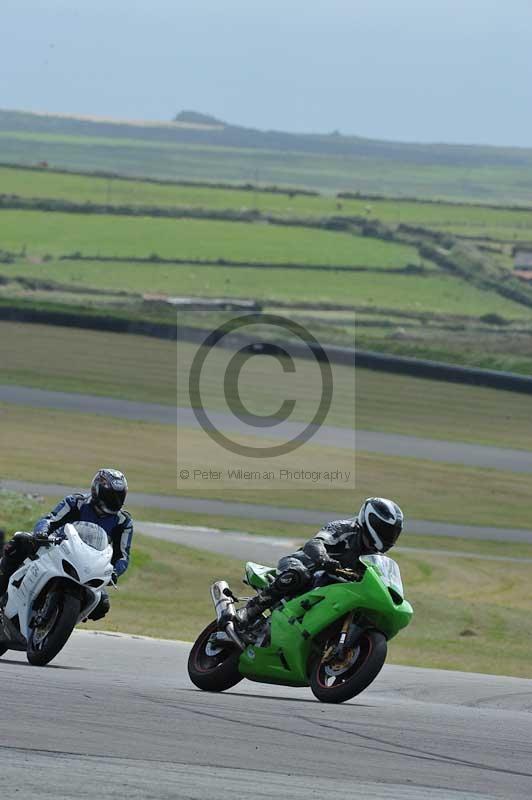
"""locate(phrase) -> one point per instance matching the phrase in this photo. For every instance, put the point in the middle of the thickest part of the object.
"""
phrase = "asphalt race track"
(391, 444)
(116, 717)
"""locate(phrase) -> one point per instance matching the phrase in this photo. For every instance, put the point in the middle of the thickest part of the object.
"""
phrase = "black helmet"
(381, 522)
(108, 490)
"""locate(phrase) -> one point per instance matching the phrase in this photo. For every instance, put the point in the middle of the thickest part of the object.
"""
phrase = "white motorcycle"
(54, 590)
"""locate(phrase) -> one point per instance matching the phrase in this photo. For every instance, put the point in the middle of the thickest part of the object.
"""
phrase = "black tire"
(369, 657)
(41, 651)
(213, 673)
(3, 650)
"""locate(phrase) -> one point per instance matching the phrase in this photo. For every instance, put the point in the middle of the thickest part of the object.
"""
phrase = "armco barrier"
(436, 370)
(401, 365)
(95, 322)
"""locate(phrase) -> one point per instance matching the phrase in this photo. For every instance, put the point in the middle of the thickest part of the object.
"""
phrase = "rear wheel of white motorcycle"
(48, 638)
(213, 668)
(334, 681)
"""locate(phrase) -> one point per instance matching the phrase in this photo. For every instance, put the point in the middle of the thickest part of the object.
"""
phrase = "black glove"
(41, 538)
(330, 565)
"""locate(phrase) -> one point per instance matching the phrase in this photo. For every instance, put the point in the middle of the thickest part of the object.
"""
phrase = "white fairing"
(388, 570)
(86, 550)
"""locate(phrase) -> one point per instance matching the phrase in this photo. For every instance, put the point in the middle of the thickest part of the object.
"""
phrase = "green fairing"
(258, 576)
(294, 627)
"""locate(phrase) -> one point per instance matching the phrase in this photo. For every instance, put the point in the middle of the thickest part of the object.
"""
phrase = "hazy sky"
(416, 70)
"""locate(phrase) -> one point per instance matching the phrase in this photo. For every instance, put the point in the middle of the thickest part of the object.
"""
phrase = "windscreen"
(388, 570)
(92, 534)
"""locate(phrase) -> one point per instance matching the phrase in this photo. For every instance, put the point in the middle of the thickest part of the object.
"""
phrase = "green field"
(40, 233)
(454, 312)
(490, 179)
(508, 233)
(432, 292)
(466, 219)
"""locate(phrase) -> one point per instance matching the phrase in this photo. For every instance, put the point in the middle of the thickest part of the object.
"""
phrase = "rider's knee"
(18, 548)
(292, 580)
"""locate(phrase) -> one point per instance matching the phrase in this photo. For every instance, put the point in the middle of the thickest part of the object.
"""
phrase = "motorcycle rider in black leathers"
(338, 545)
(103, 506)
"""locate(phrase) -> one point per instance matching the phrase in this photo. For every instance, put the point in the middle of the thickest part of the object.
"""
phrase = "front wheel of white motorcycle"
(50, 631)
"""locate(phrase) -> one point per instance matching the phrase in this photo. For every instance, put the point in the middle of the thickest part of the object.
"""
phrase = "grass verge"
(33, 507)
(145, 369)
(147, 453)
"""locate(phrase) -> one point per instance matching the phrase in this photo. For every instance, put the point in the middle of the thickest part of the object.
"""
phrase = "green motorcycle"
(333, 638)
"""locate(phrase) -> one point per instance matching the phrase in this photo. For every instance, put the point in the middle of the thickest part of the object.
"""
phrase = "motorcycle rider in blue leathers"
(102, 506)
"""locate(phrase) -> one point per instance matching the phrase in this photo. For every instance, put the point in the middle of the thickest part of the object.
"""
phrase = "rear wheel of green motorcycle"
(335, 682)
(213, 669)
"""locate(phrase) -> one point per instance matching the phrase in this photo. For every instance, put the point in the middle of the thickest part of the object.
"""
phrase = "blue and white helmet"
(108, 490)
(381, 522)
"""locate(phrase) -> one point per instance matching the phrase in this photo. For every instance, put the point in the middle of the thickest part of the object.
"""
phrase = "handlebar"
(349, 574)
(48, 540)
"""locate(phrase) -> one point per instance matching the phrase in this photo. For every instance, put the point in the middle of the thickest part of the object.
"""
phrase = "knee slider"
(10, 549)
(19, 547)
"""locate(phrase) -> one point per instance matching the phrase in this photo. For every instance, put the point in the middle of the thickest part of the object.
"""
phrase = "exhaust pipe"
(224, 606)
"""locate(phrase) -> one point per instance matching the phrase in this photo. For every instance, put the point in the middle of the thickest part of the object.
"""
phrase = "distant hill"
(193, 127)
(198, 146)
(197, 118)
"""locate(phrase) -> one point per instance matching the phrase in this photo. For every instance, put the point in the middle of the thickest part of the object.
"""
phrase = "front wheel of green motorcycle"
(211, 666)
(335, 681)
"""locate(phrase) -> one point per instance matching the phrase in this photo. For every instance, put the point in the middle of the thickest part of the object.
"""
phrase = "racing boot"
(4, 581)
(288, 583)
(15, 551)
(254, 608)
(6, 571)
(7, 567)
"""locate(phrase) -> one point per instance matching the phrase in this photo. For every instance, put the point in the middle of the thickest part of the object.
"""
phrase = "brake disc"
(339, 667)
